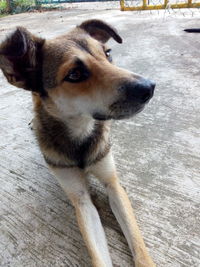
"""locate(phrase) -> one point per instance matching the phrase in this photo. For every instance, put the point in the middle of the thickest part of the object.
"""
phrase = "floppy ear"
(100, 30)
(21, 60)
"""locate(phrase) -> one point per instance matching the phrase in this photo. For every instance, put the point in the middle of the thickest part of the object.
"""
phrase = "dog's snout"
(141, 90)
(144, 90)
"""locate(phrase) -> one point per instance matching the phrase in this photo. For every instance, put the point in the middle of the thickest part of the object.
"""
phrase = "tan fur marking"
(104, 79)
(104, 75)
(36, 100)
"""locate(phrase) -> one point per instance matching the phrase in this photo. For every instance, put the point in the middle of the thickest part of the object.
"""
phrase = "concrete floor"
(157, 152)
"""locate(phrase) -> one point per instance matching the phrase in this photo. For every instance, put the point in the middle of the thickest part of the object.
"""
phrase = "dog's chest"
(60, 150)
(89, 150)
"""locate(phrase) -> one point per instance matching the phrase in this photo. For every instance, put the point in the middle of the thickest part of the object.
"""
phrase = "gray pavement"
(157, 152)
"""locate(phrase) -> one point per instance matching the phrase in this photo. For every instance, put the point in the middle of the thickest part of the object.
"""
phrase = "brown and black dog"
(76, 92)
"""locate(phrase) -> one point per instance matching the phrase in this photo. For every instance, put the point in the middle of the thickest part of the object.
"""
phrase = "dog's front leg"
(73, 181)
(121, 207)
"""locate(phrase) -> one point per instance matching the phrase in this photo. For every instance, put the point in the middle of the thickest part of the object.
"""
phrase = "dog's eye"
(76, 75)
(108, 55)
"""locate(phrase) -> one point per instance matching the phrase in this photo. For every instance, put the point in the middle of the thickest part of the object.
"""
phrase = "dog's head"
(73, 73)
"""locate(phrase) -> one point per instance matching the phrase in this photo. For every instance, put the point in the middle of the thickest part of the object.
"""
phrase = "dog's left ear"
(100, 30)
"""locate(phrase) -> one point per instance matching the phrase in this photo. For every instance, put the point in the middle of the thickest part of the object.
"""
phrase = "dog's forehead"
(61, 49)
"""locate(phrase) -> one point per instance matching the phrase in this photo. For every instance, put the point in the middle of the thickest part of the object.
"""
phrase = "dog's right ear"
(21, 59)
(100, 30)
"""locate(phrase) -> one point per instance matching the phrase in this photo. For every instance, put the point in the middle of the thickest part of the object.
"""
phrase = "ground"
(157, 152)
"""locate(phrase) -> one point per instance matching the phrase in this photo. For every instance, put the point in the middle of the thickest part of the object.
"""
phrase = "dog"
(77, 91)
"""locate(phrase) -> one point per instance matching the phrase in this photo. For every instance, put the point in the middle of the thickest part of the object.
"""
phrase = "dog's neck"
(79, 126)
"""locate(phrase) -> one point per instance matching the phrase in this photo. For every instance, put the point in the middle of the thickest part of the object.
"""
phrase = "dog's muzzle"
(132, 97)
(138, 92)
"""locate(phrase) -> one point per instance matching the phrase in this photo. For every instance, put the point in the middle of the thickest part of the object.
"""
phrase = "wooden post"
(144, 4)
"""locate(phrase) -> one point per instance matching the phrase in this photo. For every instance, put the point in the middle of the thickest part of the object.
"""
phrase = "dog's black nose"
(141, 91)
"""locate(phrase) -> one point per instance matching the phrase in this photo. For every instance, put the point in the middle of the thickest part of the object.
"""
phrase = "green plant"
(18, 6)
(3, 7)
(22, 5)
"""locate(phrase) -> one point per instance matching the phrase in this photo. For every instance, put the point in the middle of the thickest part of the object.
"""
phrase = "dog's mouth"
(119, 111)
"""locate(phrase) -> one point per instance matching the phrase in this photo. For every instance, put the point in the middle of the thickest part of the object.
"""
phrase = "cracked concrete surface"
(157, 152)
